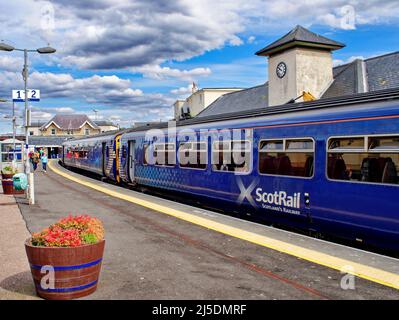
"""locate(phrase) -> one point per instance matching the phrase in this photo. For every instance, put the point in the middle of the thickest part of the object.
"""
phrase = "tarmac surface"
(150, 255)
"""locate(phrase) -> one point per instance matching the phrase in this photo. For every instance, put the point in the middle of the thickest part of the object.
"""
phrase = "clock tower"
(299, 61)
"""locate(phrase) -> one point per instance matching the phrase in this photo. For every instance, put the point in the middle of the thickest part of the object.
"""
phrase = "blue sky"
(132, 59)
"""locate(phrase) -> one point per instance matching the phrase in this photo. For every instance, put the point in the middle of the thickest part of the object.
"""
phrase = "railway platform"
(160, 249)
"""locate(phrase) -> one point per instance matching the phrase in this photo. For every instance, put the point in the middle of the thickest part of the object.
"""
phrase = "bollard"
(31, 189)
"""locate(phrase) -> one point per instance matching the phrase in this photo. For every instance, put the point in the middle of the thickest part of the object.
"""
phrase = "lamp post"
(95, 113)
(25, 73)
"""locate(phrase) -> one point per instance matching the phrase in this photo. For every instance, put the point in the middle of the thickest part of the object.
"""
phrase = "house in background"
(70, 125)
(106, 125)
(51, 134)
(34, 128)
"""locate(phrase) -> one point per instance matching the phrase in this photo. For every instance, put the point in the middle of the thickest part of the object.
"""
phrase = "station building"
(51, 134)
(300, 68)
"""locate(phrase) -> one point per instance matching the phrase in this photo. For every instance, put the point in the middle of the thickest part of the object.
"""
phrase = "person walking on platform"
(35, 160)
(44, 161)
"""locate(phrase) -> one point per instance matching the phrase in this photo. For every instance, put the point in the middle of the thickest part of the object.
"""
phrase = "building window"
(69, 132)
(7, 152)
(87, 132)
(231, 156)
(287, 157)
(193, 155)
(164, 154)
(372, 159)
(53, 131)
(31, 133)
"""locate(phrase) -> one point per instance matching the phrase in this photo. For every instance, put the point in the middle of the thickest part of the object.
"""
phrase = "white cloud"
(183, 90)
(338, 62)
(160, 73)
(251, 39)
(122, 34)
(10, 63)
(41, 115)
(64, 110)
(103, 91)
(235, 41)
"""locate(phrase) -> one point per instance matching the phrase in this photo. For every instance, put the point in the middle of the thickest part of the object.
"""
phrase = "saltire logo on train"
(276, 200)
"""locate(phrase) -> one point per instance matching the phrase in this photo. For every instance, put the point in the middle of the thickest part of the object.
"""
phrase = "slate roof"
(373, 74)
(345, 81)
(369, 75)
(70, 121)
(44, 141)
(103, 123)
(37, 123)
(247, 99)
(299, 36)
(383, 71)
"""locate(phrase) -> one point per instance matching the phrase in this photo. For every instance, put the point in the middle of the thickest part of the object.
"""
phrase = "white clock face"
(281, 70)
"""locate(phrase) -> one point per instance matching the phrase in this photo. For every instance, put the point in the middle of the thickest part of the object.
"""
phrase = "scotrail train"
(328, 166)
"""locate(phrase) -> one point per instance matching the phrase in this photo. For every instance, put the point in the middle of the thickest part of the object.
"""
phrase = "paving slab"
(15, 277)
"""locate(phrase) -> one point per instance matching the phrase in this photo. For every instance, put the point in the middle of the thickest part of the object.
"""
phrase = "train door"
(132, 148)
(117, 158)
(104, 157)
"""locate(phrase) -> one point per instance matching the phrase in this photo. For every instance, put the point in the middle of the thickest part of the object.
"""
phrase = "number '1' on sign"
(19, 95)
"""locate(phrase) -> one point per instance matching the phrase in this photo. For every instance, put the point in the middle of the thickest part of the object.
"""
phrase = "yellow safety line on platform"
(346, 266)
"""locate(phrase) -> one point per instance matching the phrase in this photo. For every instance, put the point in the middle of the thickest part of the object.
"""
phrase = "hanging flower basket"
(65, 259)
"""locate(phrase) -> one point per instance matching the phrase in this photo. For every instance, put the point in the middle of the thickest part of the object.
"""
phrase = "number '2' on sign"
(19, 95)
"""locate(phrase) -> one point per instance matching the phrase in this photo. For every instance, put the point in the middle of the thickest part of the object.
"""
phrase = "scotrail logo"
(279, 201)
(279, 198)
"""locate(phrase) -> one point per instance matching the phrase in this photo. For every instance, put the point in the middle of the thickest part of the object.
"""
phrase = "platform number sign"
(19, 95)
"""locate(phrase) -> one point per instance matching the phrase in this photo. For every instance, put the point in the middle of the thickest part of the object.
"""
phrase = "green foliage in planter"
(90, 238)
(9, 170)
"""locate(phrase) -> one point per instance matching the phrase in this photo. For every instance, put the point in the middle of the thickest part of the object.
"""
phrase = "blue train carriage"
(327, 166)
(96, 154)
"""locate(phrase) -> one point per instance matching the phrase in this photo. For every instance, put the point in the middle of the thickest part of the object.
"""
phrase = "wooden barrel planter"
(7, 175)
(76, 269)
(8, 187)
(8, 184)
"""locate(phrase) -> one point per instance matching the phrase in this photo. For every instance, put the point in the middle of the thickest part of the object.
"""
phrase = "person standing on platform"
(44, 161)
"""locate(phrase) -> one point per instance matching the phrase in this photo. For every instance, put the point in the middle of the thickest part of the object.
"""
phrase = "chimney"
(300, 61)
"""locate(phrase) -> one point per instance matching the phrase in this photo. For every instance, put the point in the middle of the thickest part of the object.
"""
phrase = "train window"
(273, 145)
(356, 143)
(383, 143)
(304, 144)
(193, 155)
(124, 152)
(231, 156)
(378, 162)
(164, 154)
(287, 157)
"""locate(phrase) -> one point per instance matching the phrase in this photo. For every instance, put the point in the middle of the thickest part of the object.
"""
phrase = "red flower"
(70, 232)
